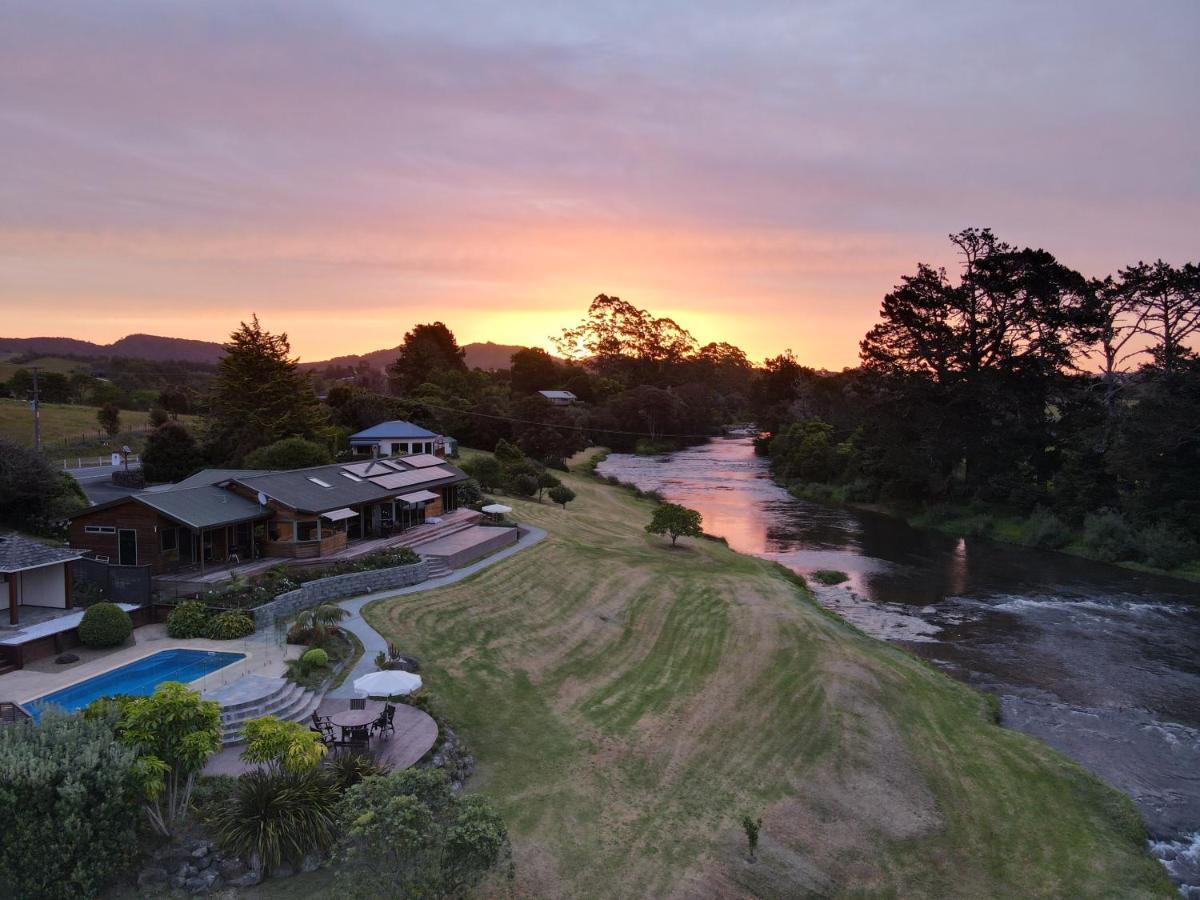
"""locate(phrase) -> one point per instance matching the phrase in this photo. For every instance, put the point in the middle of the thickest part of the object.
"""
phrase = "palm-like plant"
(321, 620)
(278, 816)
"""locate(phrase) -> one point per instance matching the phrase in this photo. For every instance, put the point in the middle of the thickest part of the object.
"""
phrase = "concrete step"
(298, 707)
(268, 705)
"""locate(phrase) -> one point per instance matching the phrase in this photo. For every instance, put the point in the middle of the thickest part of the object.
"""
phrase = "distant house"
(559, 398)
(397, 438)
(34, 574)
(218, 515)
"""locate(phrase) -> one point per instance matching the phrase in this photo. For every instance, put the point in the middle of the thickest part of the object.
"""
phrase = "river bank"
(963, 521)
(629, 703)
(1096, 660)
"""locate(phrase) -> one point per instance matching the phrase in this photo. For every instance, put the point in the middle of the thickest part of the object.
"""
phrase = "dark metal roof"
(18, 553)
(210, 476)
(297, 490)
(207, 506)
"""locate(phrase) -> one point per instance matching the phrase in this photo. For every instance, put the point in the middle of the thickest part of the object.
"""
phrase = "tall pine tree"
(259, 396)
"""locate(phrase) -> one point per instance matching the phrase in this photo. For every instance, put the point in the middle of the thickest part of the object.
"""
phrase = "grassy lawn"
(627, 703)
(61, 422)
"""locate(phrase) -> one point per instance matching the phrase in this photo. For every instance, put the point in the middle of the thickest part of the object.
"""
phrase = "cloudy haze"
(763, 172)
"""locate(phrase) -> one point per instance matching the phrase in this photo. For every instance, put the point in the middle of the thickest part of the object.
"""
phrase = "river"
(1100, 662)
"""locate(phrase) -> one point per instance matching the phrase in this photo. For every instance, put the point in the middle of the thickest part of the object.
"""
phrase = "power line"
(580, 428)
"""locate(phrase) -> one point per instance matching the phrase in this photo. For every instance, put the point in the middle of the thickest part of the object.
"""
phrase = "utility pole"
(37, 411)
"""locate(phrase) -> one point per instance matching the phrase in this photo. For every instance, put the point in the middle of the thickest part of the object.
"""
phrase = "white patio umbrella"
(497, 509)
(390, 683)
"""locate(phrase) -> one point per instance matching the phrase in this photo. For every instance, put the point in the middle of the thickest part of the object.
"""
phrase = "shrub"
(348, 769)
(282, 745)
(69, 797)
(315, 658)
(524, 485)
(829, 576)
(104, 625)
(1044, 529)
(469, 493)
(1106, 534)
(1164, 547)
(278, 816)
(288, 453)
(562, 495)
(408, 835)
(188, 620)
(230, 625)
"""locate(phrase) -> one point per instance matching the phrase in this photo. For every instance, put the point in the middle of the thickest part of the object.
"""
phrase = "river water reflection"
(1099, 662)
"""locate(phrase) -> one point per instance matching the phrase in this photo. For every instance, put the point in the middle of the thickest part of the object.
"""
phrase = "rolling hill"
(170, 349)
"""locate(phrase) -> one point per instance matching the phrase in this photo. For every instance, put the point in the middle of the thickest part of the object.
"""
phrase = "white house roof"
(558, 395)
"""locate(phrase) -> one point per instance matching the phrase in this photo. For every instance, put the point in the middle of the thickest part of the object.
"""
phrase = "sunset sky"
(762, 172)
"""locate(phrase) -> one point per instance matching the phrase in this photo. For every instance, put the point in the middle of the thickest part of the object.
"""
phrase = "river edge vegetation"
(630, 704)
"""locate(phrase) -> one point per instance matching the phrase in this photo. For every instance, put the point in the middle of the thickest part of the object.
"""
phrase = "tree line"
(1021, 389)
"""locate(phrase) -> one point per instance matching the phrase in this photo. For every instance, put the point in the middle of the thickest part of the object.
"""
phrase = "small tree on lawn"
(545, 480)
(109, 418)
(174, 733)
(675, 521)
(282, 746)
(562, 495)
(751, 826)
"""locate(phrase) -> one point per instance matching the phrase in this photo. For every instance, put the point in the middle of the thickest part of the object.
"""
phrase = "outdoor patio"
(415, 735)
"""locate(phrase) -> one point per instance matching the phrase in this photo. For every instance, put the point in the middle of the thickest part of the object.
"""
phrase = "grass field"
(61, 423)
(628, 703)
(8, 368)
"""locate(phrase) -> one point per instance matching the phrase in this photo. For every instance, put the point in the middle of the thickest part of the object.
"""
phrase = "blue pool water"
(137, 678)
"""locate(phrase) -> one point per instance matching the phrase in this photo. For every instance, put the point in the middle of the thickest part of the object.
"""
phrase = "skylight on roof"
(351, 476)
(316, 480)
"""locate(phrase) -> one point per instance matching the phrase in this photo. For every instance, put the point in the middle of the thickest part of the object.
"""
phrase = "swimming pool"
(138, 678)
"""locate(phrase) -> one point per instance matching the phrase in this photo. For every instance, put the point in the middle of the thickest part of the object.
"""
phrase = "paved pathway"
(373, 642)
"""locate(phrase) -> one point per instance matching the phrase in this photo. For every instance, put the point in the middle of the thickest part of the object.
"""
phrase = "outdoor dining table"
(348, 718)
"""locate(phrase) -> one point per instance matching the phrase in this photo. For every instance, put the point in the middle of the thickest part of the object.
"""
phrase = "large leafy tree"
(625, 342)
(988, 352)
(34, 496)
(1166, 301)
(429, 352)
(174, 732)
(171, 453)
(533, 369)
(259, 395)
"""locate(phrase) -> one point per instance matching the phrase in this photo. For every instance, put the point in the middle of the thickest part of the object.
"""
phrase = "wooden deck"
(416, 733)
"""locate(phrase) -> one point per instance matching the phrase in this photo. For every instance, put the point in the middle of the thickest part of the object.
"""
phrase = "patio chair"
(356, 736)
(384, 722)
(358, 703)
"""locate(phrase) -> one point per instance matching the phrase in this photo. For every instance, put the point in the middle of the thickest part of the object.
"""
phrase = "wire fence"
(92, 462)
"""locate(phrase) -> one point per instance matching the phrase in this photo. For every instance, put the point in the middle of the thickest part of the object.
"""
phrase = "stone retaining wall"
(337, 587)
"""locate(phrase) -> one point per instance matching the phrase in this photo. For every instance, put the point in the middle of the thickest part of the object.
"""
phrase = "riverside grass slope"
(628, 703)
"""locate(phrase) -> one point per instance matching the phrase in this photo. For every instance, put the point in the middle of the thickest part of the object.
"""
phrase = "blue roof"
(395, 429)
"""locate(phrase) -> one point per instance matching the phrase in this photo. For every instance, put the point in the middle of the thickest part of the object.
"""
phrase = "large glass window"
(306, 531)
(170, 539)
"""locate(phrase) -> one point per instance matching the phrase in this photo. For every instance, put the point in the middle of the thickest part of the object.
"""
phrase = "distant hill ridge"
(164, 349)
